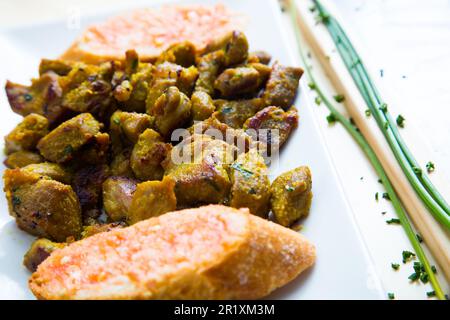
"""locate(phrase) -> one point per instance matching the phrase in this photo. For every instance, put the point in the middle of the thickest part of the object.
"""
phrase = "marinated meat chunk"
(117, 195)
(132, 88)
(259, 57)
(39, 251)
(87, 183)
(281, 88)
(272, 118)
(125, 128)
(234, 113)
(21, 159)
(62, 142)
(291, 195)
(209, 66)
(26, 135)
(94, 152)
(43, 97)
(172, 110)
(94, 96)
(199, 168)
(89, 231)
(250, 184)
(42, 207)
(120, 164)
(219, 130)
(152, 199)
(236, 81)
(263, 70)
(202, 106)
(234, 46)
(51, 170)
(182, 54)
(147, 155)
(167, 75)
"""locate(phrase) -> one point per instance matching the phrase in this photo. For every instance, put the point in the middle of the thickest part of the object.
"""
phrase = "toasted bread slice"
(151, 31)
(212, 252)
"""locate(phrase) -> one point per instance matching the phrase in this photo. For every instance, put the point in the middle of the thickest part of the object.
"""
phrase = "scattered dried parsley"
(393, 221)
(27, 97)
(331, 118)
(430, 166)
(419, 238)
(289, 188)
(318, 101)
(339, 98)
(368, 112)
(395, 266)
(431, 294)
(383, 107)
(417, 170)
(376, 196)
(391, 296)
(400, 121)
(312, 85)
(407, 255)
(386, 196)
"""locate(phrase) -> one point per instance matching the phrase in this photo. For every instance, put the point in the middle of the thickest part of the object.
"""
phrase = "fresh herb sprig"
(362, 142)
(420, 182)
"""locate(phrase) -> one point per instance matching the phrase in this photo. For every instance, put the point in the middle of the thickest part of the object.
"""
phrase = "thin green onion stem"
(372, 158)
(420, 182)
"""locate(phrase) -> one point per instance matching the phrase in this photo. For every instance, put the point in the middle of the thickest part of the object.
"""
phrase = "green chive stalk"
(419, 181)
(362, 142)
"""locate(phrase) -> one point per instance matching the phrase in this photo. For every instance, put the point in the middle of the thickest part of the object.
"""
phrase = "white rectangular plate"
(343, 269)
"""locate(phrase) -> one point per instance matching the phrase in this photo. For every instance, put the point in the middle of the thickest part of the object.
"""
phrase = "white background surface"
(410, 41)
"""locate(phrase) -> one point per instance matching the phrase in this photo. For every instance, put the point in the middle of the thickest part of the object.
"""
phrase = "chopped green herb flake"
(419, 238)
(433, 268)
(27, 97)
(393, 221)
(116, 121)
(391, 296)
(383, 107)
(400, 121)
(383, 212)
(226, 110)
(238, 167)
(331, 118)
(430, 166)
(318, 101)
(339, 98)
(289, 188)
(417, 170)
(395, 266)
(376, 196)
(407, 255)
(431, 294)
(368, 113)
(424, 277)
(68, 150)
(413, 277)
(386, 196)
(312, 85)
(16, 200)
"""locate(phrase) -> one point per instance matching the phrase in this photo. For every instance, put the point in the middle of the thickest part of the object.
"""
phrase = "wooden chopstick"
(435, 237)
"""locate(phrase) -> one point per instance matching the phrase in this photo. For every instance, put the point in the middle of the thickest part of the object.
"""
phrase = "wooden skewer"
(436, 238)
